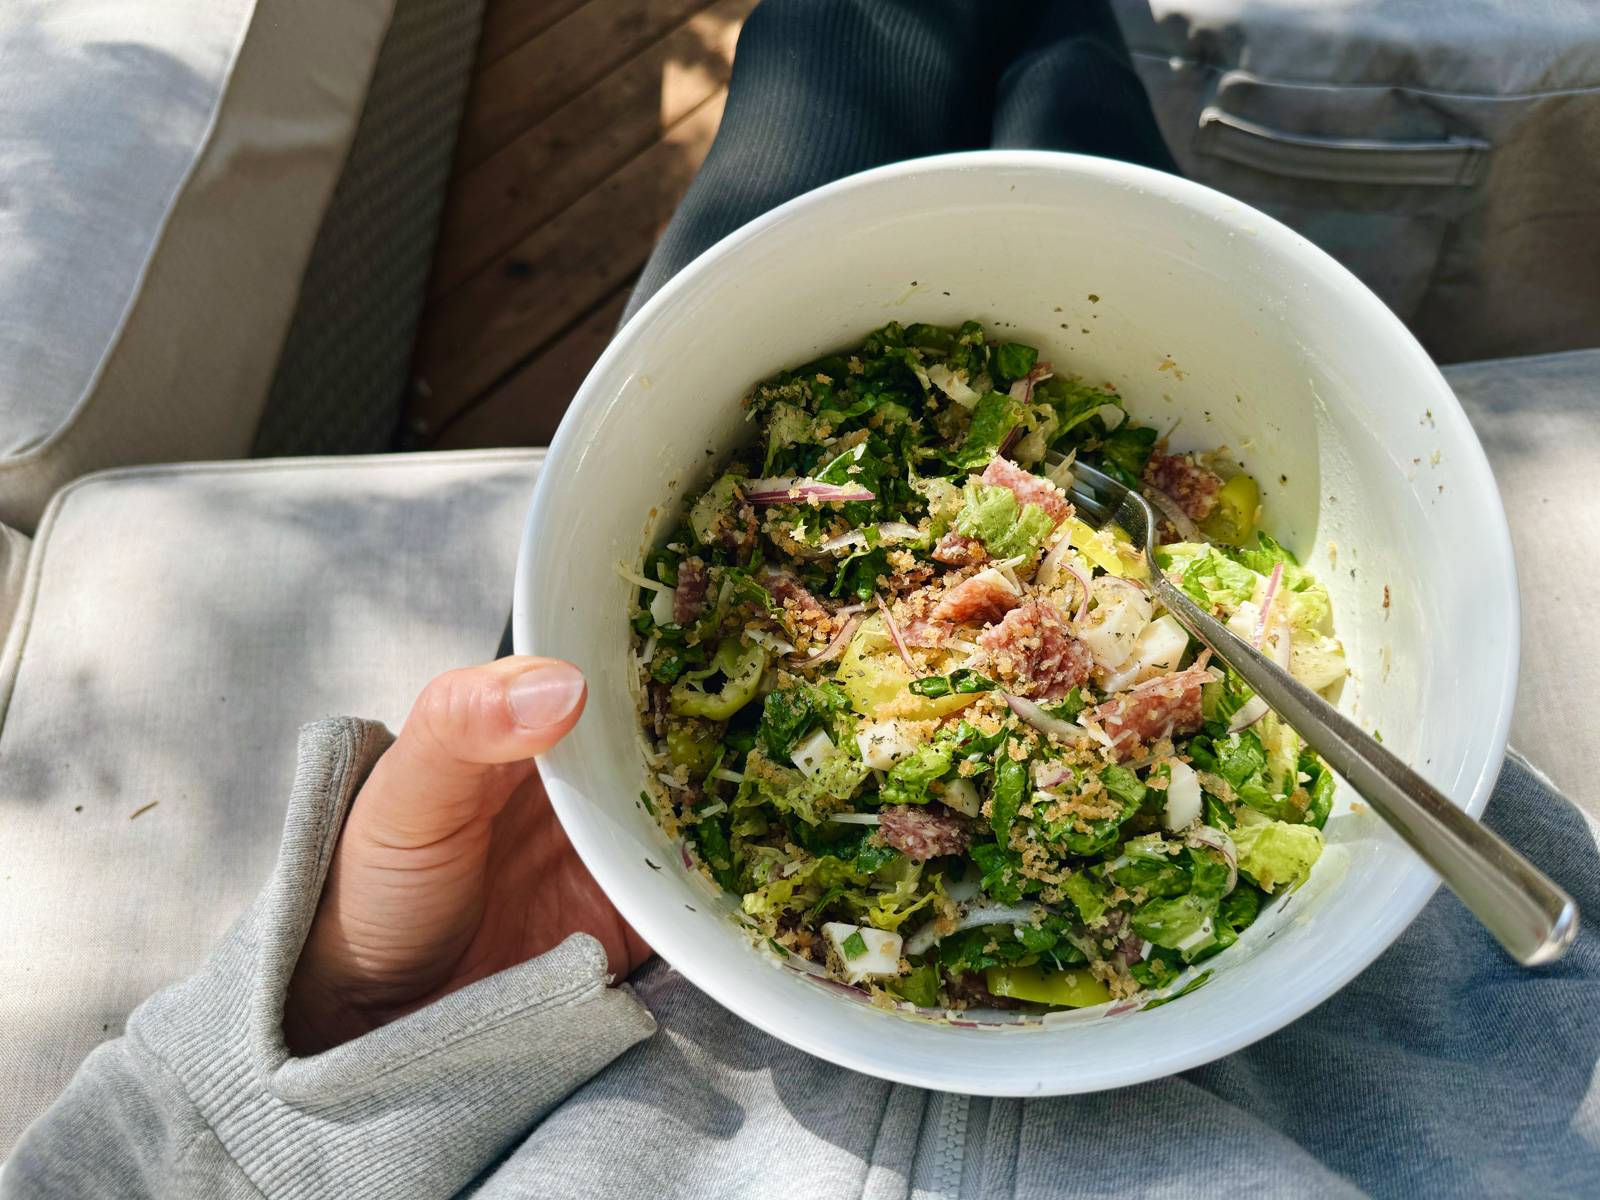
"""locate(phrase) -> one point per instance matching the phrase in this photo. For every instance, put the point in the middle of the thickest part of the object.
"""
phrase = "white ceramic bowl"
(1194, 306)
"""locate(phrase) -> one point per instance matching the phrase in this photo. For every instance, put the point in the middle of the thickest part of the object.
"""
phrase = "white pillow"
(164, 167)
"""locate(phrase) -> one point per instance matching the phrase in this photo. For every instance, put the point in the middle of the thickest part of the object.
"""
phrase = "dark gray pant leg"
(825, 88)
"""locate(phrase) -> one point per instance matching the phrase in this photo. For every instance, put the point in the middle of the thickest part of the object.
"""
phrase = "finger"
(468, 742)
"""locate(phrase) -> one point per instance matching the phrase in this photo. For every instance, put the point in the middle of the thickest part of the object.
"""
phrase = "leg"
(825, 88)
(1074, 88)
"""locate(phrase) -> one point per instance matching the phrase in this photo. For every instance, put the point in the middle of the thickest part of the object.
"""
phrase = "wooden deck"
(585, 123)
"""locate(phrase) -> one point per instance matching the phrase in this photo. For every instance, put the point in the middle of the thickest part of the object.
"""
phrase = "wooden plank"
(527, 407)
(525, 297)
(532, 81)
(509, 23)
(524, 184)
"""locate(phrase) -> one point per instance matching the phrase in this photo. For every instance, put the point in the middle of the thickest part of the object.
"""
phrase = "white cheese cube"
(662, 610)
(1158, 649)
(1114, 625)
(962, 795)
(1183, 797)
(877, 956)
(884, 743)
(808, 755)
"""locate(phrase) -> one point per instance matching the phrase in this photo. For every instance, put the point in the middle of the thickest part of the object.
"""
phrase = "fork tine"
(1104, 500)
(1089, 504)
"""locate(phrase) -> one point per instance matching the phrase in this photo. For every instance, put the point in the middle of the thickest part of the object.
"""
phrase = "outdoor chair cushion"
(164, 168)
(177, 626)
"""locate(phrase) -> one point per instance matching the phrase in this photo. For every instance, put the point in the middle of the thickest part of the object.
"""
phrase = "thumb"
(467, 744)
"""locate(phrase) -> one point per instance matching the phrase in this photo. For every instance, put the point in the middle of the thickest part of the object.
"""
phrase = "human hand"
(452, 865)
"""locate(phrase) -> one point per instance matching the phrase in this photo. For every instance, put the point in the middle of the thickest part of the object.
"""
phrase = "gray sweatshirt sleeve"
(201, 1096)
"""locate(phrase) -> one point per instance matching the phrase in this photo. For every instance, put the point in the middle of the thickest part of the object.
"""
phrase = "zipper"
(950, 1144)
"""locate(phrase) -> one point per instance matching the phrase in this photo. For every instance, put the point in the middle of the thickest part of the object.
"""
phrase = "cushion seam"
(429, 458)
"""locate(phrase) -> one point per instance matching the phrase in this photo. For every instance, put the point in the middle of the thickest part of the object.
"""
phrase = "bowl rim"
(667, 937)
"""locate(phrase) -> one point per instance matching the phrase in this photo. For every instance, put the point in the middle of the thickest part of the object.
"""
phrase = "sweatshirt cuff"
(429, 1100)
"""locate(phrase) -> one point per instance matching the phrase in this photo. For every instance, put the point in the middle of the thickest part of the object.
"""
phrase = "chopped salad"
(931, 728)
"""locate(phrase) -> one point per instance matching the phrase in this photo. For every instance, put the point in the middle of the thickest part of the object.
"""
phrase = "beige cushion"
(164, 166)
(178, 625)
(1539, 421)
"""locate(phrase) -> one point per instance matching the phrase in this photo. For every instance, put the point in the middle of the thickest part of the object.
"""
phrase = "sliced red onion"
(1083, 582)
(1265, 616)
(1051, 565)
(1130, 950)
(1187, 529)
(980, 912)
(1205, 835)
(1251, 711)
(1011, 439)
(1022, 389)
(833, 648)
(1048, 774)
(798, 489)
(894, 632)
(1031, 714)
(683, 851)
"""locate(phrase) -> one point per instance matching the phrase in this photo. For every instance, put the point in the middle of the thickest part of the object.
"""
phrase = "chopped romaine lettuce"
(1006, 529)
(1275, 854)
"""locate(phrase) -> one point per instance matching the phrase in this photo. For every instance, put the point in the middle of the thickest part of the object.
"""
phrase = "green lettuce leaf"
(1074, 403)
(1089, 897)
(908, 779)
(920, 985)
(1010, 783)
(1125, 451)
(1276, 854)
(1170, 921)
(765, 782)
(1006, 529)
(711, 839)
(1236, 913)
(993, 419)
(1212, 578)
(1153, 866)
(1012, 361)
(792, 712)
(1002, 876)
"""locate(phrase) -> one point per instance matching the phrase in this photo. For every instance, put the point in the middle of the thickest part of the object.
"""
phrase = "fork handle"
(1527, 913)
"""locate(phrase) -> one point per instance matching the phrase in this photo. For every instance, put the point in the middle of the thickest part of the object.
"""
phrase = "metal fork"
(1528, 914)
